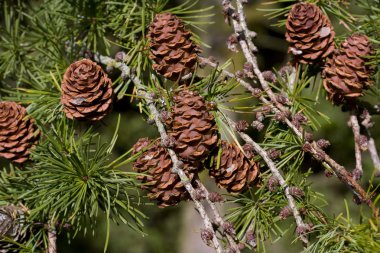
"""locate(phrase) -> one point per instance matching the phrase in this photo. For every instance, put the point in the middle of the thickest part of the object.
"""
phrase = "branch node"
(250, 238)
(323, 144)
(242, 125)
(274, 153)
(228, 227)
(207, 235)
(296, 192)
(273, 184)
(215, 197)
(257, 92)
(168, 142)
(257, 125)
(285, 213)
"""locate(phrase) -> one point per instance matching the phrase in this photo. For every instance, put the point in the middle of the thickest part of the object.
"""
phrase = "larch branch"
(373, 153)
(52, 240)
(354, 124)
(276, 173)
(219, 220)
(373, 150)
(248, 52)
(177, 164)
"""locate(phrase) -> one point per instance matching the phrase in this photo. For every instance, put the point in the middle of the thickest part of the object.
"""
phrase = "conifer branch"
(373, 152)
(317, 153)
(52, 240)
(367, 124)
(71, 175)
(302, 228)
(177, 164)
(344, 176)
(248, 35)
(313, 149)
(247, 51)
(354, 124)
(219, 220)
(177, 167)
(249, 87)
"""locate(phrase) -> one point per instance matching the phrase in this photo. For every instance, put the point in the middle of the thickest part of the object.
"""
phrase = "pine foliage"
(74, 177)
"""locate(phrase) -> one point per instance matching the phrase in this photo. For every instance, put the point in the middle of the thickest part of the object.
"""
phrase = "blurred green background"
(176, 229)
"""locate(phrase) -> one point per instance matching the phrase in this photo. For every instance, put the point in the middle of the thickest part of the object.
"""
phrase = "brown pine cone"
(160, 182)
(192, 127)
(86, 91)
(171, 47)
(235, 172)
(309, 33)
(10, 225)
(11, 218)
(346, 74)
(18, 134)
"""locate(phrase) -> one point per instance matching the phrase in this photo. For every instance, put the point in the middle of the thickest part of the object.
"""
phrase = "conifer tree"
(65, 64)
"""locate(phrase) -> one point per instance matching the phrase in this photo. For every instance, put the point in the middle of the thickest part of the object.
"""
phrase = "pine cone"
(346, 74)
(235, 172)
(18, 134)
(309, 32)
(171, 47)
(86, 91)
(162, 184)
(11, 220)
(193, 127)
